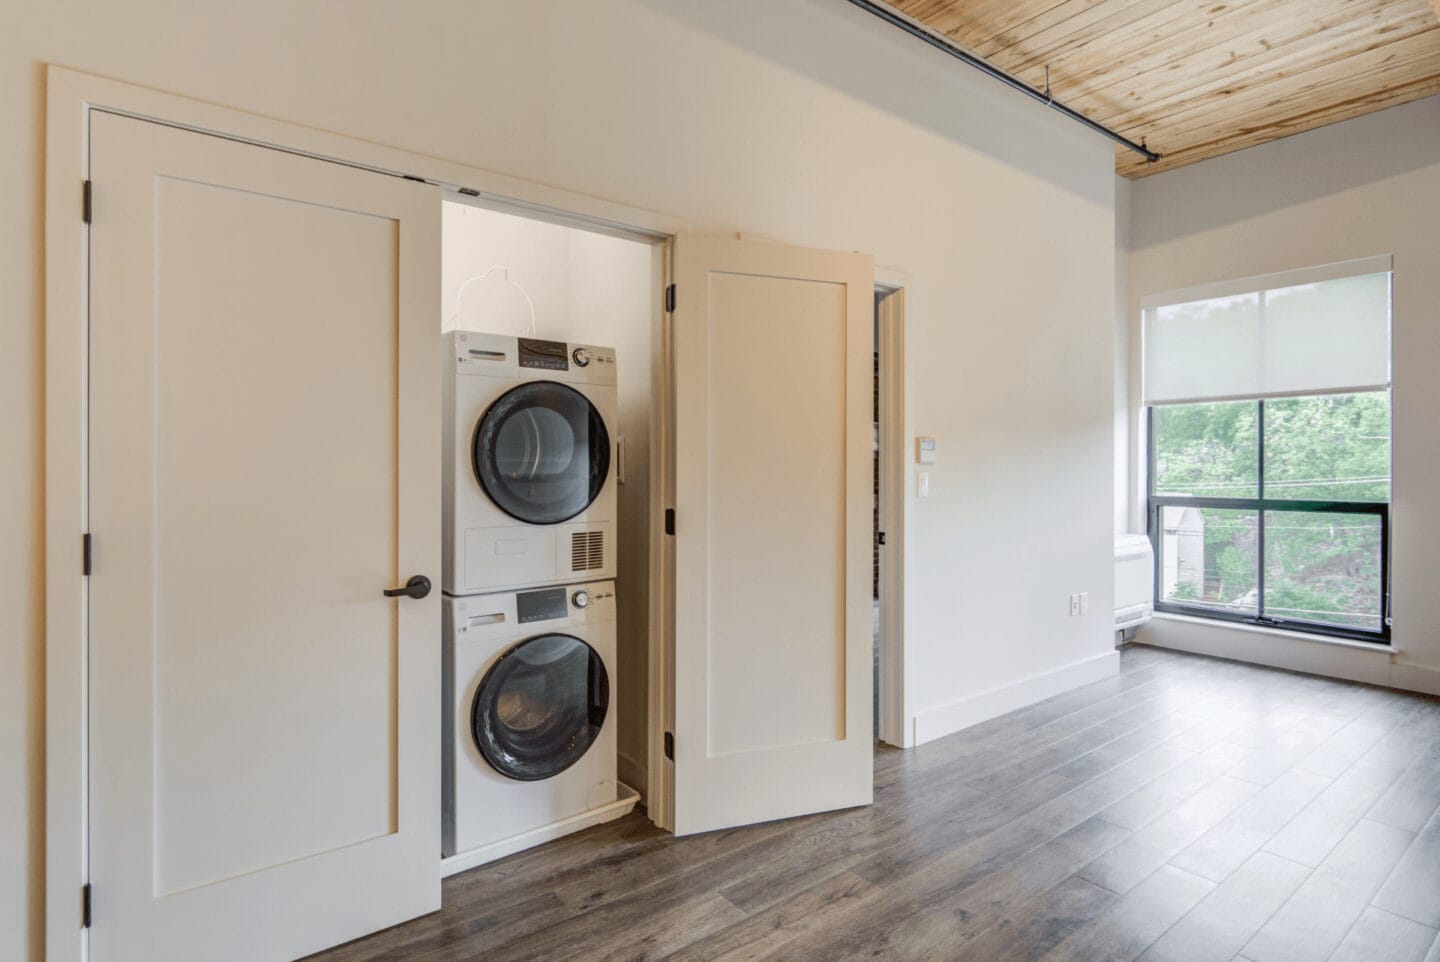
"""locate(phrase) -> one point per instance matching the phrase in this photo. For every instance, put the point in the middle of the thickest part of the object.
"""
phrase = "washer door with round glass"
(540, 707)
(542, 452)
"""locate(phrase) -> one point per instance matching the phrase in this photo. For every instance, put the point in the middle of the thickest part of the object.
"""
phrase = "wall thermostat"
(924, 450)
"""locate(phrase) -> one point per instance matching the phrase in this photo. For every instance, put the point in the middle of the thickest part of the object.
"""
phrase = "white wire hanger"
(503, 279)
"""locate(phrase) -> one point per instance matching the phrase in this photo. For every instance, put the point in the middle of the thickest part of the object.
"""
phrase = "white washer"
(529, 717)
(530, 455)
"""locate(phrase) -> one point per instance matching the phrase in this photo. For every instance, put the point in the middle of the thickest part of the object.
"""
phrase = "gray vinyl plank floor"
(1188, 809)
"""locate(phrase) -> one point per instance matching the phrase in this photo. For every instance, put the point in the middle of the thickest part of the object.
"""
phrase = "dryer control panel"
(499, 355)
(546, 355)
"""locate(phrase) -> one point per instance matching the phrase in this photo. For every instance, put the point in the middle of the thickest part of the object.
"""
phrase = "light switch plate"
(922, 484)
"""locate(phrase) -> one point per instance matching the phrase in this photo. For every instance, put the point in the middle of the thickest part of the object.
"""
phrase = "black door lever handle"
(417, 587)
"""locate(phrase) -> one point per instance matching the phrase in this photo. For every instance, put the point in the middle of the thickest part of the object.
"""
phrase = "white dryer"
(529, 726)
(529, 495)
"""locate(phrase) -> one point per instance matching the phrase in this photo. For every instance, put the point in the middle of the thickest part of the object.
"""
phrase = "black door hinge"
(670, 745)
(880, 538)
(85, 194)
(85, 554)
(670, 299)
(670, 521)
(85, 906)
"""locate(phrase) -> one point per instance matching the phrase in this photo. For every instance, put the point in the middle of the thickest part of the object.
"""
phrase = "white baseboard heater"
(1134, 581)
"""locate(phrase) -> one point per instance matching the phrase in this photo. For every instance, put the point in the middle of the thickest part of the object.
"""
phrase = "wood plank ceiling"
(1195, 79)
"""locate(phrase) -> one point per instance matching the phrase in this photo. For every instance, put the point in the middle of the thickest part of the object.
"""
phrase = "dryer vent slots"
(587, 550)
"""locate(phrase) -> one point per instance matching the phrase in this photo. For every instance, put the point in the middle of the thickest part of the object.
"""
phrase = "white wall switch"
(922, 484)
(924, 450)
(1074, 605)
(1084, 602)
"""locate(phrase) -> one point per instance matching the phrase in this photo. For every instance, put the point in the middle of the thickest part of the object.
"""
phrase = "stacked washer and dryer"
(529, 609)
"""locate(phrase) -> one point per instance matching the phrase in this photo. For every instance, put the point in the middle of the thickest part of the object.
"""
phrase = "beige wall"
(802, 120)
(1359, 188)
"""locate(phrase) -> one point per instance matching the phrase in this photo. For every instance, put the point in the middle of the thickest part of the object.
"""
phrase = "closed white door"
(773, 497)
(264, 429)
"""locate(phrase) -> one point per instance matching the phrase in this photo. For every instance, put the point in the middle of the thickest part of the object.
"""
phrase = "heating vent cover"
(587, 550)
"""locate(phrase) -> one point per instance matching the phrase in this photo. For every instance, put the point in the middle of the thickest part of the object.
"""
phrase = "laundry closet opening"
(888, 473)
(552, 335)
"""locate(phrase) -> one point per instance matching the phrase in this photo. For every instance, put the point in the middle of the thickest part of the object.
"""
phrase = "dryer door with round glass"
(542, 453)
(540, 707)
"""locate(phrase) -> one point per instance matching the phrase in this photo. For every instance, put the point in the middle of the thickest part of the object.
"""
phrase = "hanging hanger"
(505, 276)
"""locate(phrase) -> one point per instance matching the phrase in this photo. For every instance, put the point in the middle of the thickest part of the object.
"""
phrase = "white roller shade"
(1319, 331)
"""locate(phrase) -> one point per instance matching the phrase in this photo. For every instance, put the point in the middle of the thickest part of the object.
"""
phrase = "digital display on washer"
(549, 355)
(541, 605)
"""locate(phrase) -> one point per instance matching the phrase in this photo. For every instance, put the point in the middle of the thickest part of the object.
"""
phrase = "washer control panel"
(520, 613)
(545, 604)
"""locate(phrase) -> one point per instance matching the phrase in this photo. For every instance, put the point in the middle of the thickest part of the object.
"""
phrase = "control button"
(580, 599)
(581, 356)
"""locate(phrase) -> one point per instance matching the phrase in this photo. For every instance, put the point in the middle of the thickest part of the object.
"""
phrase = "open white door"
(773, 499)
(264, 460)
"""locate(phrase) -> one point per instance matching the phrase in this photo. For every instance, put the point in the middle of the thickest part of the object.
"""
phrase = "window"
(1269, 438)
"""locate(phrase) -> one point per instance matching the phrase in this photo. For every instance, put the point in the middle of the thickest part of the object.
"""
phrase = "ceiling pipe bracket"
(947, 46)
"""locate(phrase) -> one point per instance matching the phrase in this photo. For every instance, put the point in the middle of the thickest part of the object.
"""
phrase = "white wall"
(600, 290)
(806, 121)
(1366, 186)
(1123, 333)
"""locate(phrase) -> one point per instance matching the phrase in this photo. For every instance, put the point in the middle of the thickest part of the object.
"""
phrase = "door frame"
(893, 677)
(70, 97)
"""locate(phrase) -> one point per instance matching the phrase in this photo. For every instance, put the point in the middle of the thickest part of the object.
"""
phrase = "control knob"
(580, 599)
(581, 356)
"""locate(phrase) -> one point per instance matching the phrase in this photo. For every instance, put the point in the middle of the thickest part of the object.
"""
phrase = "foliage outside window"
(1274, 511)
(1269, 480)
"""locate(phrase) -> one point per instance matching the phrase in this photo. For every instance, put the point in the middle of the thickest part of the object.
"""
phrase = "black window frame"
(1260, 505)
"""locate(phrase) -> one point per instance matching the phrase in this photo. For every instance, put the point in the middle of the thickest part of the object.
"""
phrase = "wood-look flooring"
(1189, 809)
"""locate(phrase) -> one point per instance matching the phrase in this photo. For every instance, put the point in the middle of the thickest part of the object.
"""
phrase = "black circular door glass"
(542, 453)
(540, 707)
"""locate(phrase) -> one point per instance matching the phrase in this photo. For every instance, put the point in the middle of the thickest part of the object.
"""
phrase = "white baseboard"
(632, 771)
(1351, 661)
(1293, 651)
(1415, 678)
(475, 857)
(935, 723)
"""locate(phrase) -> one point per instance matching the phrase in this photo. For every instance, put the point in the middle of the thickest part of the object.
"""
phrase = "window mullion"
(1260, 512)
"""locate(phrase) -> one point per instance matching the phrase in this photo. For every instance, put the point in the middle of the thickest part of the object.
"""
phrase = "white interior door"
(773, 498)
(264, 454)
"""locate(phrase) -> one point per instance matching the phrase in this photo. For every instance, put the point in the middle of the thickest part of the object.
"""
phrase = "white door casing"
(773, 498)
(264, 440)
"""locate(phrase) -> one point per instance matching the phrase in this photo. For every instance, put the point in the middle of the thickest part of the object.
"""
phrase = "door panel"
(773, 662)
(264, 459)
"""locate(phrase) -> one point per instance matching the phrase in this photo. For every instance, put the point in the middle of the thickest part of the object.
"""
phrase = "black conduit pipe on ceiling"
(945, 45)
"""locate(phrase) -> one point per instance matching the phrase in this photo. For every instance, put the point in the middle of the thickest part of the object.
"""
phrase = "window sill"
(1370, 646)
